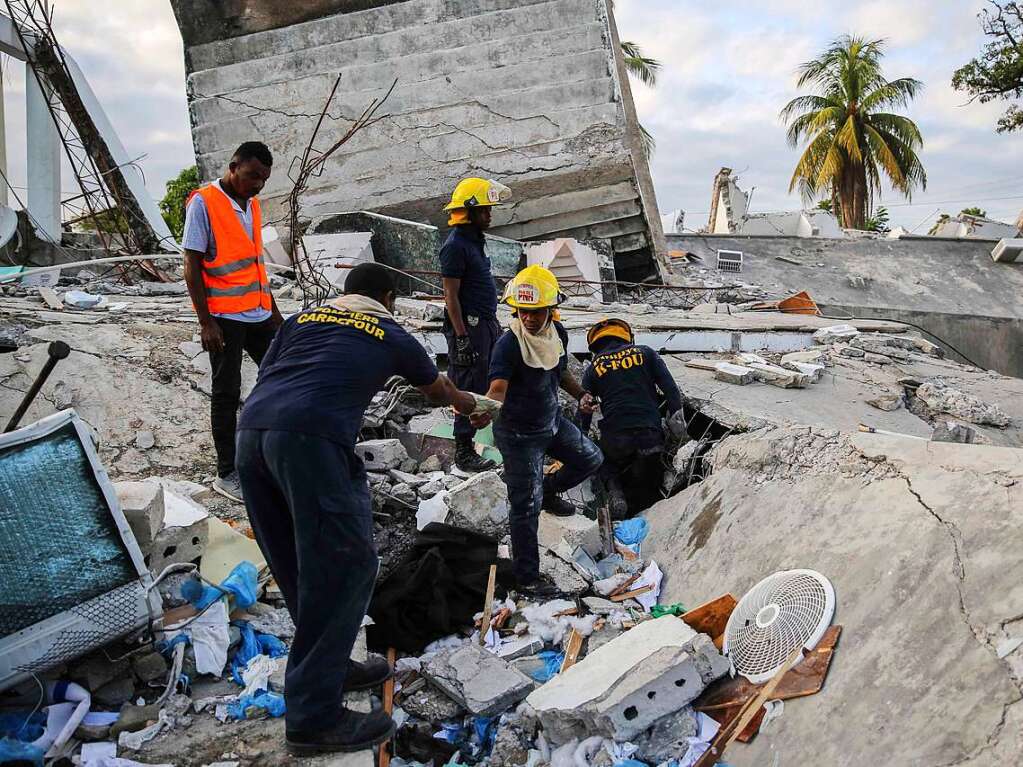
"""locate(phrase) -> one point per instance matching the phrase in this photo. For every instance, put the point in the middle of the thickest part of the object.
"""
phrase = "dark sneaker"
(354, 731)
(365, 675)
(540, 589)
(556, 505)
(229, 487)
(468, 460)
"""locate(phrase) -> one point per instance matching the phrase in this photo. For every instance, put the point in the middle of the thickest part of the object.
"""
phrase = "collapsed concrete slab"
(143, 507)
(576, 531)
(628, 684)
(531, 92)
(482, 683)
(918, 538)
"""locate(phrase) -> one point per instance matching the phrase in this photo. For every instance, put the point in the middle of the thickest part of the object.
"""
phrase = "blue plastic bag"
(12, 750)
(631, 532)
(242, 583)
(270, 702)
(253, 644)
(552, 660)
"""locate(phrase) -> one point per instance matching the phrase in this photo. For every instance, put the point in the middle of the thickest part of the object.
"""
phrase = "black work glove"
(465, 356)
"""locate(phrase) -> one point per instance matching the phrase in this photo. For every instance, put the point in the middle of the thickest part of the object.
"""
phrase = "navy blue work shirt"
(323, 368)
(531, 404)
(464, 257)
(626, 377)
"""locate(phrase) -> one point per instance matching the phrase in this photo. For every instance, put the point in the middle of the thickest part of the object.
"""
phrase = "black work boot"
(354, 731)
(553, 503)
(365, 675)
(468, 460)
(540, 589)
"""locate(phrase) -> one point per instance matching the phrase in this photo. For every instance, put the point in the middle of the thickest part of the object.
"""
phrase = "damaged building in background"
(533, 94)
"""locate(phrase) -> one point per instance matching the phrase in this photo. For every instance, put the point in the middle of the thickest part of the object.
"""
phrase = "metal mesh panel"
(59, 546)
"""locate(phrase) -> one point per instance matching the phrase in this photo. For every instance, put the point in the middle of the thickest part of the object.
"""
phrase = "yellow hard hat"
(533, 288)
(610, 327)
(478, 192)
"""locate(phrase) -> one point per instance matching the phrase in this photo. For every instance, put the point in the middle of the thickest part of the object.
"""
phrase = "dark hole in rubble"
(369, 456)
(680, 682)
(631, 713)
(195, 541)
(169, 551)
(706, 432)
(651, 695)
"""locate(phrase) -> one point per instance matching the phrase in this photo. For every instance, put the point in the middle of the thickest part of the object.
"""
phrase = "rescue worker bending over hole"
(308, 499)
(470, 297)
(625, 377)
(529, 364)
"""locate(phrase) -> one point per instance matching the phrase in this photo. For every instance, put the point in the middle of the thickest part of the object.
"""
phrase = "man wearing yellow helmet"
(630, 380)
(470, 296)
(528, 366)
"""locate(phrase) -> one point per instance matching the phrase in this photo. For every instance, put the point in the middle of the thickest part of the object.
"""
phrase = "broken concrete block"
(812, 356)
(812, 369)
(745, 358)
(404, 477)
(381, 454)
(149, 666)
(431, 464)
(481, 682)
(888, 402)
(951, 431)
(431, 488)
(628, 684)
(851, 351)
(521, 647)
(668, 739)
(601, 606)
(144, 439)
(184, 535)
(431, 705)
(143, 507)
(422, 310)
(566, 578)
(835, 333)
(577, 531)
(877, 359)
(96, 670)
(115, 693)
(480, 504)
(733, 374)
(404, 494)
(780, 377)
(944, 399)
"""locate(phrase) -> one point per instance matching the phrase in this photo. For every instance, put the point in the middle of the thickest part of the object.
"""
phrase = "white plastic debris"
(433, 509)
(79, 299)
(835, 333)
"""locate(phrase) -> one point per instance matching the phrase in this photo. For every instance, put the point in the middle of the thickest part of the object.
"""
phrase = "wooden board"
(488, 605)
(630, 594)
(384, 756)
(572, 649)
(711, 618)
(723, 699)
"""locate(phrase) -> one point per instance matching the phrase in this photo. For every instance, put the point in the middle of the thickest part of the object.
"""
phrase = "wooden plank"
(625, 585)
(711, 617)
(806, 678)
(607, 530)
(630, 594)
(384, 758)
(572, 649)
(488, 605)
(626, 552)
(727, 734)
(49, 297)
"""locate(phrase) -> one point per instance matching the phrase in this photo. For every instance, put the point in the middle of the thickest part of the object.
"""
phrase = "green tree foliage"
(997, 73)
(851, 139)
(974, 211)
(879, 222)
(172, 206)
(827, 205)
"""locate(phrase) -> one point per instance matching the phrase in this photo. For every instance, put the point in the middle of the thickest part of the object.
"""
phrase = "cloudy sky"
(728, 67)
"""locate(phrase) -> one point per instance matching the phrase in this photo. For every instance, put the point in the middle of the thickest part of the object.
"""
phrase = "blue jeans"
(309, 504)
(523, 455)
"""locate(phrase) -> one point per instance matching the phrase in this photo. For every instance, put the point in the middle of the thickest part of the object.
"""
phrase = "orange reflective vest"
(235, 277)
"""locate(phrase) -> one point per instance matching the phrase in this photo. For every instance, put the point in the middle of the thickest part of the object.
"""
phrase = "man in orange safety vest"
(230, 291)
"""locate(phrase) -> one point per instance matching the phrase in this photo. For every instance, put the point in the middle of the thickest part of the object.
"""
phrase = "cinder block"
(381, 454)
(143, 507)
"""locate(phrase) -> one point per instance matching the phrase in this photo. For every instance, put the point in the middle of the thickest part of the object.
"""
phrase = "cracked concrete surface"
(922, 542)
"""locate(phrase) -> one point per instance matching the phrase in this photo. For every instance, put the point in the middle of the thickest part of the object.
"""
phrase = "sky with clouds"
(728, 67)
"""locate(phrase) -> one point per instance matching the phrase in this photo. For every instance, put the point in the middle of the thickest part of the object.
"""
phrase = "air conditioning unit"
(1007, 250)
(729, 260)
(72, 577)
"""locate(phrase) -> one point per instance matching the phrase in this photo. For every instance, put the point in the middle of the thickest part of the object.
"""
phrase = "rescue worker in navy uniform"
(629, 381)
(529, 364)
(307, 495)
(470, 296)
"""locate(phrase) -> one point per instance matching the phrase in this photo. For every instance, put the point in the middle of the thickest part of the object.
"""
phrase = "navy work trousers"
(523, 455)
(483, 333)
(254, 339)
(309, 504)
(634, 458)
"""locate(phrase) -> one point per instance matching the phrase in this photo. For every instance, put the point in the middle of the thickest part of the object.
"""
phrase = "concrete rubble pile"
(781, 459)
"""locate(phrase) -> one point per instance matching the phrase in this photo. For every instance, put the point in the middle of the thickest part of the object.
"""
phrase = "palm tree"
(850, 140)
(645, 69)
